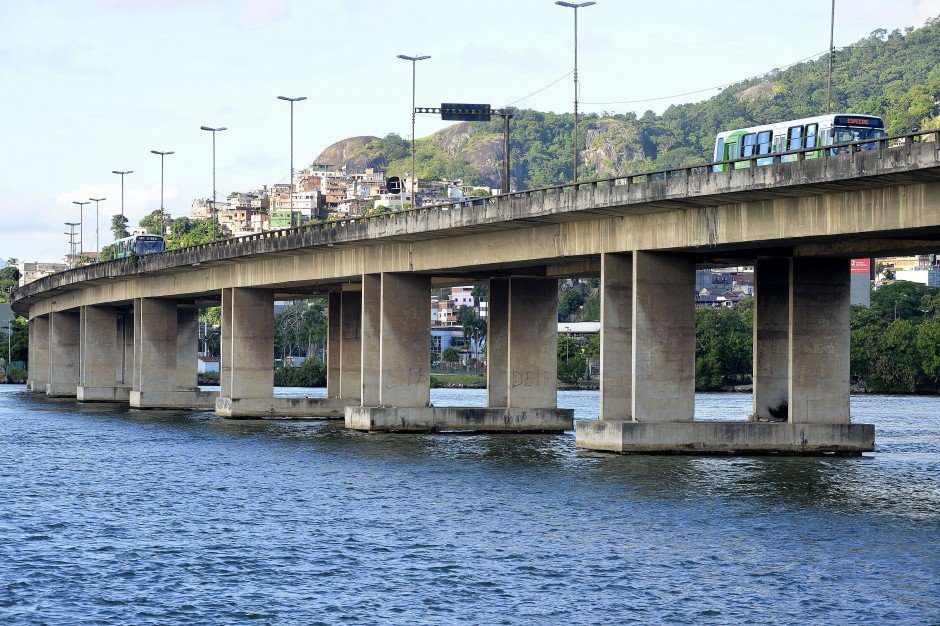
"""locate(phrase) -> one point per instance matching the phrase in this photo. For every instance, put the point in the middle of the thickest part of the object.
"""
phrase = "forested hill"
(895, 75)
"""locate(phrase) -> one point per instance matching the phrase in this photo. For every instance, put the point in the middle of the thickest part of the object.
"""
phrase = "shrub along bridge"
(126, 330)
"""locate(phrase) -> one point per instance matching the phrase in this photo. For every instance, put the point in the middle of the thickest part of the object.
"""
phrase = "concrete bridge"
(126, 330)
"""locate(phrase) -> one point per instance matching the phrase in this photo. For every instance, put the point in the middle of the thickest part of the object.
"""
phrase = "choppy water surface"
(116, 516)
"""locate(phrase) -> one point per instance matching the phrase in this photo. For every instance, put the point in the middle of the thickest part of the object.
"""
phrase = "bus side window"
(748, 144)
(811, 130)
(795, 138)
(763, 141)
(732, 151)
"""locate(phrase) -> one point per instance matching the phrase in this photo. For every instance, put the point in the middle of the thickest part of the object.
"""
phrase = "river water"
(135, 517)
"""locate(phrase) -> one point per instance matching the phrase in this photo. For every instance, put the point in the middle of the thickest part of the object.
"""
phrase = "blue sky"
(90, 86)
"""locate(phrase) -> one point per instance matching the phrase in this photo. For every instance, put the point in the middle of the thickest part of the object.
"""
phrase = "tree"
(450, 355)
(153, 222)
(119, 226)
(474, 327)
(571, 302)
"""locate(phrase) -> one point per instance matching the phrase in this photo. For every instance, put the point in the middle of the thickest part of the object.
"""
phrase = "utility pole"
(292, 101)
(81, 225)
(414, 174)
(71, 235)
(213, 213)
(162, 212)
(575, 6)
(97, 223)
(832, 33)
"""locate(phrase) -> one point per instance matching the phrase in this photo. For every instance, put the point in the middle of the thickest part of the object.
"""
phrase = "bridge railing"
(710, 169)
(776, 158)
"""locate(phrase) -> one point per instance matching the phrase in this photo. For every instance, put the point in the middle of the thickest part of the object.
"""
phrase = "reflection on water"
(120, 516)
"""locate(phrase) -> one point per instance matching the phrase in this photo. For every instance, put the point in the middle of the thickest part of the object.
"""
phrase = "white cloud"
(259, 13)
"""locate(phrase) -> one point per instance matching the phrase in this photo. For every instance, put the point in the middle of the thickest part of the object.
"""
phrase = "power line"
(551, 84)
(697, 91)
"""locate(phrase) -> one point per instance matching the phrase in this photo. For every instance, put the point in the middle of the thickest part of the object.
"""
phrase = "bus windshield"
(846, 134)
(149, 246)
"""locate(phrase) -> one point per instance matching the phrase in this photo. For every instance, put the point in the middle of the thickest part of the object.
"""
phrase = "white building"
(34, 271)
(929, 276)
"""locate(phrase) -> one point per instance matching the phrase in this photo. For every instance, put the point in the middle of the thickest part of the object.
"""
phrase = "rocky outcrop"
(610, 146)
(343, 151)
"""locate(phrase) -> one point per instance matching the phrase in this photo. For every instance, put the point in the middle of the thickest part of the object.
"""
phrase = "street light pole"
(122, 174)
(832, 33)
(414, 174)
(97, 223)
(161, 154)
(81, 225)
(213, 212)
(292, 101)
(575, 6)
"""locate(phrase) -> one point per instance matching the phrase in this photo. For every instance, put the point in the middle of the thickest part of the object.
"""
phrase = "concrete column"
(370, 331)
(771, 340)
(100, 356)
(521, 353)
(64, 357)
(533, 342)
(497, 343)
(616, 401)
(38, 353)
(225, 346)
(155, 322)
(187, 347)
(164, 357)
(405, 341)
(334, 341)
(251, 336)
(350, 345)
(126, 338)
(820, 292)
(663, 337)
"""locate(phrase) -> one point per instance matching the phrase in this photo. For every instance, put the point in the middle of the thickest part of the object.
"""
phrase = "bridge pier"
(38, 354)
(101, 367)
(64, 345)
(164, 360)
(801, 369)
(521, 360)
(247, 367)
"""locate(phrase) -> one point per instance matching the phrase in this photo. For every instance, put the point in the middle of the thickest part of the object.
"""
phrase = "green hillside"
(895, 75)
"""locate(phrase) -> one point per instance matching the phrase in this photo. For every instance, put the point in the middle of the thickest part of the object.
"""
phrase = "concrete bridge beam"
(64, 357)
(38, 354)
(101, 367)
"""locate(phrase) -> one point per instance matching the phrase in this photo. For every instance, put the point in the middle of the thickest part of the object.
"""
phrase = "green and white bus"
(810, 132)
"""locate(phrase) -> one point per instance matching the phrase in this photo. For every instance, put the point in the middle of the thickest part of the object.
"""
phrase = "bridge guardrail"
(708, 168)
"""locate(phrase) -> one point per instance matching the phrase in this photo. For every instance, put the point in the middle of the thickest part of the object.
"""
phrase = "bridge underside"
(799, 235)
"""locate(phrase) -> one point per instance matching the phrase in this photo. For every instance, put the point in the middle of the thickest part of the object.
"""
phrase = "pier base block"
(475, 419)
(173, 399)
(61, 390)
(103, 394)
(724, 437)
(283, 408)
